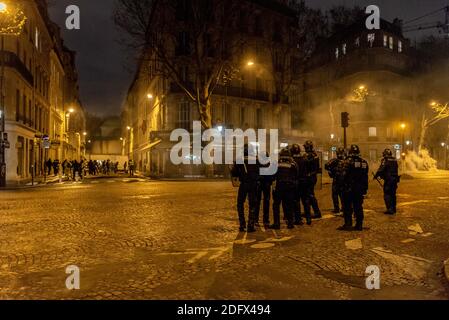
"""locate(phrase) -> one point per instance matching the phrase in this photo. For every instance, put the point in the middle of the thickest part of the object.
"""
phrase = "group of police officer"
(294, 184)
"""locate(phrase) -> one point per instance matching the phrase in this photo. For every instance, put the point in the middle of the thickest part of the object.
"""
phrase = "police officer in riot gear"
(355, 188)
(264, 192)
(335, 168)
(301, 194)
(284, 192)
(313, 169)
(389, 172)
(248, 174)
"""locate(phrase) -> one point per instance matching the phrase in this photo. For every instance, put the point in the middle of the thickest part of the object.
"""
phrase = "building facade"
(155, 105)
(40, 94)
(371, 74)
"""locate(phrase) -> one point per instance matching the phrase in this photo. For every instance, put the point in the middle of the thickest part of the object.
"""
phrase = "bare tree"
(178, 35)
(440, 112)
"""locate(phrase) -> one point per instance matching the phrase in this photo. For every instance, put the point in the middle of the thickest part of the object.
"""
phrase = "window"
(385, 40)
(371, 38)
(36, 38)
(373, 155)
(242, 117)
(391, 45)
(337, 53)
(372, 132)
(17, 105)
(259, 118)
(357, 42)
(184, 115)
(344, 49)
(399, 46)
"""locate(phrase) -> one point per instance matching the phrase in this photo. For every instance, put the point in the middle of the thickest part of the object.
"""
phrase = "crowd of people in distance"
(72, 169)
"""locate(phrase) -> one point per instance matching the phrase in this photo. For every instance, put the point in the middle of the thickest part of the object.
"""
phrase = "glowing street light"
(128, 128)
(84, 133)
(443, 144)
(150, 96)
(433, 103)
(403, 126)
(250, 63)
(3, 7)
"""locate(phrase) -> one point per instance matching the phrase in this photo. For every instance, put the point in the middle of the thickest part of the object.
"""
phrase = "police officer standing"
(285, 190)
(389, 172)
(301, 194)
(355, 188)
(248, 174)
(264, 191)
(335, 168)
(313, 169)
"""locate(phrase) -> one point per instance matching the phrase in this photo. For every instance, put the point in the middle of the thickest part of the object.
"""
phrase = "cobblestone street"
(139, 239)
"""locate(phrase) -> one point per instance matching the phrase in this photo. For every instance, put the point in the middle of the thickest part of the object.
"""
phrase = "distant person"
(49, 165)
(131, 168)
(389, 172)
(125, 166)
(56, 167)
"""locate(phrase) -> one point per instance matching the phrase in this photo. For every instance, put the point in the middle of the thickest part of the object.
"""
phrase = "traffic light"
(344, 119)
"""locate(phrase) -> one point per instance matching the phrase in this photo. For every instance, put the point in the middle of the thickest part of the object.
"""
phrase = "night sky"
(105, 68)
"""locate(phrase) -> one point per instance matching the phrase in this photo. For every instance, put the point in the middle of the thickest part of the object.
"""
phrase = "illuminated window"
(371, 38)
(372, 132)
(357, 42)
(385, 41)
(337, 53)
(391, 43)
(344, 48)
(36, 38)
(399, 46)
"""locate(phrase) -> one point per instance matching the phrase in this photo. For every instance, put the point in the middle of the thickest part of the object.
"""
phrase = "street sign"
(334, 149)
(397, 147)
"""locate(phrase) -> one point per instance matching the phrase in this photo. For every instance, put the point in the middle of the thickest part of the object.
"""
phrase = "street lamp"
(250, 63)
(150, 96)
(3, 7)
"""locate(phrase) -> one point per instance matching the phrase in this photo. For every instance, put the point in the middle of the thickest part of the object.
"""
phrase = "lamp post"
(403, 126)
(18, 18)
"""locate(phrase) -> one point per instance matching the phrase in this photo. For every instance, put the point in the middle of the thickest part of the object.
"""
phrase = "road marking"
(443, 198)
(403, 204)
(198, 254)
(408, 240)
(283, 239)
(265, 245)
(355, 244)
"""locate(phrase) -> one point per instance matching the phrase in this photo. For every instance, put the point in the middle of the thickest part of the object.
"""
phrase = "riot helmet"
(308, 146)
(354, 150)
(341, 153)
(295, 149)
(387, 153)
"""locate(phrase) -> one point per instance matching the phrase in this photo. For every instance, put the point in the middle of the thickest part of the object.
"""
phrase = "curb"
(446, 269)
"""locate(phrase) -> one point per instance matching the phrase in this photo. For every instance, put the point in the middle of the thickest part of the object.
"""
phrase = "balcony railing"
(13, 61)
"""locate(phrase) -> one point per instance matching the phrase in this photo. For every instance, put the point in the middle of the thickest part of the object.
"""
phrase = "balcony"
(237, 92)
(13, 61)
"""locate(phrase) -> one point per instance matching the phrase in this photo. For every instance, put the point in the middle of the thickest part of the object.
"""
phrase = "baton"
(377, 179)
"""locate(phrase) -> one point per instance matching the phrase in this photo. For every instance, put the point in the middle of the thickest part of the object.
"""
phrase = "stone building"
(155, 105)
(41, 96)
(371, 74)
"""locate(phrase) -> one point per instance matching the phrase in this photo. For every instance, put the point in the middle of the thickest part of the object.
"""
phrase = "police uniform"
(248, 174)
(355, 188)
(313, 169)
(264, 191)
(302, 195)
(285, 191)
(335, 168)
(389, 172)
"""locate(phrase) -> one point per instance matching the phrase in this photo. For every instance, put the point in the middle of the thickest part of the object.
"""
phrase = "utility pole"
(345, 125)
